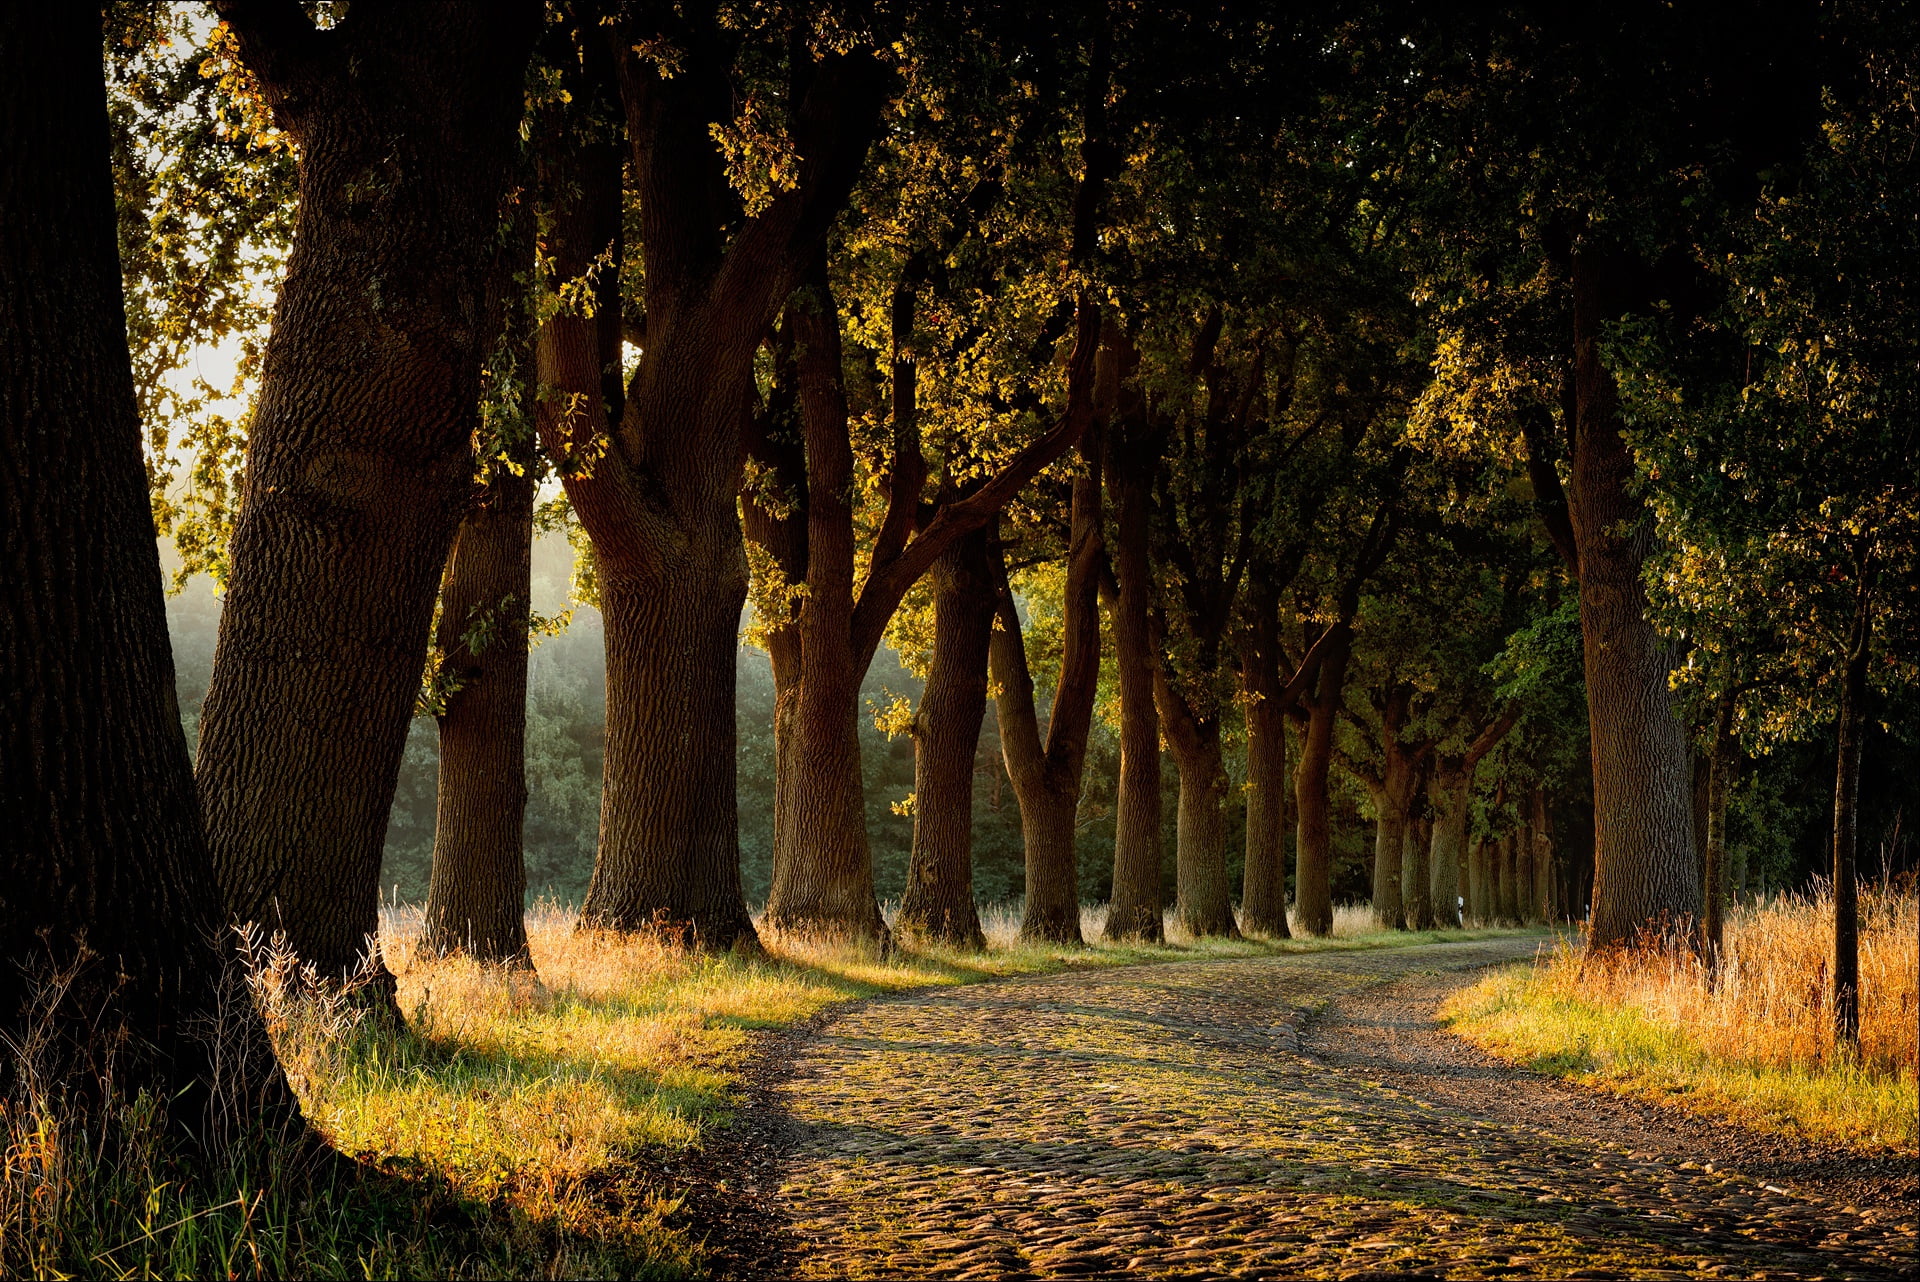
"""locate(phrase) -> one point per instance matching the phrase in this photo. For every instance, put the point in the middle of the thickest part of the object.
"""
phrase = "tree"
(1569, 166)
(477, 681)
(114, 971)
(402, 118)
(722, 246)
(1780, 444)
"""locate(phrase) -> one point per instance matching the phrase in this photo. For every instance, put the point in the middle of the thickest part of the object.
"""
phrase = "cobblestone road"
(1163, 1121)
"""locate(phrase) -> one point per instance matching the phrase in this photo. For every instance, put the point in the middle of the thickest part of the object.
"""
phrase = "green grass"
(1526, 1016)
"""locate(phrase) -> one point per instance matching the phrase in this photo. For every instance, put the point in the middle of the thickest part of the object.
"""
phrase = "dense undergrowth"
(1753, 1043)
(497, 1131)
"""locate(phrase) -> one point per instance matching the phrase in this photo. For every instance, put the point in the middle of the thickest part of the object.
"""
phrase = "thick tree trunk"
(404, 118)
(109, 884)
(1846, 807)
(1502, 855)
(1414, 877)
(476, 897)
(1134, 910)
(1645, 876)
(1523, 858)
(938, 903)
(1389, 854)
(1447, 793)
(1263, 895)
(1203, 902)
(1313, 840)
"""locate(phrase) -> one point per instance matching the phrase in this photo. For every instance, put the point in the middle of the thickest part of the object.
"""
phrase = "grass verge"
(1752, 1044)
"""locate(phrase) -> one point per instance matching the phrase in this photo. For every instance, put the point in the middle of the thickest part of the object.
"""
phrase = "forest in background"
(1778, 811)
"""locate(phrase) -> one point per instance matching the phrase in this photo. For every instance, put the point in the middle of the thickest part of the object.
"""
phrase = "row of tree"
(1384, 389)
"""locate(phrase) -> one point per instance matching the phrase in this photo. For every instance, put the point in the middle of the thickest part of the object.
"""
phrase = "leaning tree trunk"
(1263, 894)
(1047, 777)
(1134, 909)
(111, 940)
(938, 903)
(1313, 842)
(476, 898)
(1644, 871)
(1846, 808)
(359, 457)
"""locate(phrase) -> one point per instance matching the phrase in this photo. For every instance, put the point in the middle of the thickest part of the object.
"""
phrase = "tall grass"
(1754, 1040)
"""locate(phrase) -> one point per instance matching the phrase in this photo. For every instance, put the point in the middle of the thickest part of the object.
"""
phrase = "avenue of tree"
(1497, 422)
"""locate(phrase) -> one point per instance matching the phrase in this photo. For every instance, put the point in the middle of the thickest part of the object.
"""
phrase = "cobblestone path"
(1163, 1121)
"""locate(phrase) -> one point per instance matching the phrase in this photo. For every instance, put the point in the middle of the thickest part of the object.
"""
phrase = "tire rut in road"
(1165, 1120)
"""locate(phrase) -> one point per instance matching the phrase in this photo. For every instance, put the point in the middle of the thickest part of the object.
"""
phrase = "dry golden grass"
(1754, 1042)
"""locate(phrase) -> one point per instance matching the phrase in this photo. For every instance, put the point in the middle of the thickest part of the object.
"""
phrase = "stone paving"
(1163, 1122)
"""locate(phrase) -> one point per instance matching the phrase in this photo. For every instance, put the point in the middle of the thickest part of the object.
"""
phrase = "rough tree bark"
(1203, 902)
(108, 877)
(1047, 776)
(1416, 886)
(1644, 871)
(657, 491)
(358, 461)
(1503, 899)
(1479, 892)
(476, 895)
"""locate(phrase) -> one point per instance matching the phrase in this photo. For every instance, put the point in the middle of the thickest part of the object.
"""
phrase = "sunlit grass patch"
(1755, 1045)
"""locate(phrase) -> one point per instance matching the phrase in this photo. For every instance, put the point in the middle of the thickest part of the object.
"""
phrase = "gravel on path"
(1242, 1118)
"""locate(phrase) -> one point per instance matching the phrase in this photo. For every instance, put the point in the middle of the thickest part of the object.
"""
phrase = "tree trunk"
(938, 903)
(1263, 895)
(359, 457)
(1047, 778)
(109, 881)
(658, 492)
(1645, 875)
(1414, 879)
(1447, 793)
(1479, 891)
(476, 899)
(1203, 902)
(822, 863)
(1313, 841)
(1523, 859)
(1846, 806)
(1545, 905)
(1720, 770)
(1503, 910)
(1134, 910)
